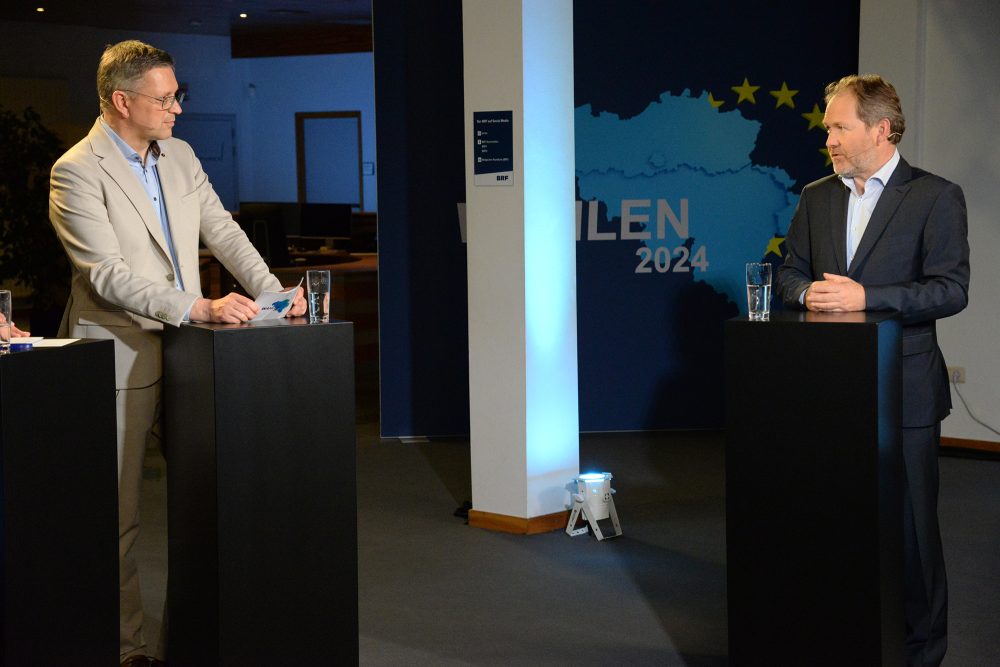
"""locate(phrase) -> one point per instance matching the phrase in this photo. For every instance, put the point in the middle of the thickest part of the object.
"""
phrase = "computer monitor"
(264, 224)
(332, 221)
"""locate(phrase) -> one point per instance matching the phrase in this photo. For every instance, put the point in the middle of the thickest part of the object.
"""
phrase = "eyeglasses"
(166, 101)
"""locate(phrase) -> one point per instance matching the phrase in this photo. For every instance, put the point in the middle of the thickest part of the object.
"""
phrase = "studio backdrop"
(696, 128)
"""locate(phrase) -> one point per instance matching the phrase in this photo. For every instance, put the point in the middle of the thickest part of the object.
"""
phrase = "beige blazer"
(122, 277)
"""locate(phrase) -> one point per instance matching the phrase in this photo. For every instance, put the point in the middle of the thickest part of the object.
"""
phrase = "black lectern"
(59, 506)
(261, 494)
(813, 490)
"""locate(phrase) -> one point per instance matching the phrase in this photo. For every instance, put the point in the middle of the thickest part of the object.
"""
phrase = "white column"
(518, 56)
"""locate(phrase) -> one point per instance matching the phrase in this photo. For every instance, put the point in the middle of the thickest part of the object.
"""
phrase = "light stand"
(594, 499)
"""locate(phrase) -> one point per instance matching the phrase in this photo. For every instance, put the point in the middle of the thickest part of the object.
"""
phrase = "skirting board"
(518, 525)
(965, 443)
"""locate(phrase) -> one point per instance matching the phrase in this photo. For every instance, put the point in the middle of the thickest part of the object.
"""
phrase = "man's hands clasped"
(835, 294)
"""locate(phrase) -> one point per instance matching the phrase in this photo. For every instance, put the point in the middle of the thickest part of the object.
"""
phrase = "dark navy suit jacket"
(913, 259)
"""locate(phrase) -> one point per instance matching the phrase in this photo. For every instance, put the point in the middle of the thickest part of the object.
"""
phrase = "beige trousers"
(138, 411)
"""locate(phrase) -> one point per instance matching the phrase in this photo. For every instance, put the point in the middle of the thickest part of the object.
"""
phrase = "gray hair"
(877, 99)
(124, 64)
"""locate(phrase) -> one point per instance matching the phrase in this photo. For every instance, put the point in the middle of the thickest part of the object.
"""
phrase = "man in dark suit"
(879, 234)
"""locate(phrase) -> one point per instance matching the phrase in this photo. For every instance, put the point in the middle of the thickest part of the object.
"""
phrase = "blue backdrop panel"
(697, 124)
(423, 301)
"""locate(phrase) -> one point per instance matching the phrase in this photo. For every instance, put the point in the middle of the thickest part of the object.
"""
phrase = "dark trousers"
(926, 587)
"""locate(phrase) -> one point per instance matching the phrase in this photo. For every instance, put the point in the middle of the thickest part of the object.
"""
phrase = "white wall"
(66, 57)
(943, 56)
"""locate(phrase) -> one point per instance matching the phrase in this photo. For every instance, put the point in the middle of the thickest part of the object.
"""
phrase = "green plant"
(30, 253)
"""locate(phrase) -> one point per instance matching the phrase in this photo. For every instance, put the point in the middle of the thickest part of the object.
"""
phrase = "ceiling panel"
(325, 23)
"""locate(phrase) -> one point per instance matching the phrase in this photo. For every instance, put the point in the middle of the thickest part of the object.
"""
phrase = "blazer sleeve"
(221, 235)
(796, 274)
(940, 286)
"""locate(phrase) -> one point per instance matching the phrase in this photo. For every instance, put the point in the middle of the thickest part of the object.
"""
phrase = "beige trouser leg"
(137, 412)
(161, 644)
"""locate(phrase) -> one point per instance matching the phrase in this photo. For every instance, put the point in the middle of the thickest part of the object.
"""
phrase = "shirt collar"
(882, 175)
(130, 153)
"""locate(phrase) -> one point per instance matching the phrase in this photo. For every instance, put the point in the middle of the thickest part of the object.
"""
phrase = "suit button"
(170, 277)
(162, 315)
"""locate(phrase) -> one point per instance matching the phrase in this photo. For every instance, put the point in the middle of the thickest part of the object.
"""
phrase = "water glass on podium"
(6, 308)
(318, 294)
(759, 290)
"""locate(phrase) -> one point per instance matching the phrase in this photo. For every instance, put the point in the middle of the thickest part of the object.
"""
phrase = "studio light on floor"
(594, 499)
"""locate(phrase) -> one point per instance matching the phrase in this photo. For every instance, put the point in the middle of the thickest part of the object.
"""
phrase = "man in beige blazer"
(130, 204)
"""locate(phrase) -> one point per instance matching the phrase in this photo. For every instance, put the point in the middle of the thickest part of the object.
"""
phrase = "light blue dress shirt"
(861, 206)
(149, 178)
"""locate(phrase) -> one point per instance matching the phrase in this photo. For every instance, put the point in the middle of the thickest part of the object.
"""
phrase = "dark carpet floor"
(434, 591)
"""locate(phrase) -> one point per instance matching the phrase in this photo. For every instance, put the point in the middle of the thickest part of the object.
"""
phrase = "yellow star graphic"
(784, 96)
(826, 152)
(815, 118)
(774, 245)
(714, 102)
(746, 91)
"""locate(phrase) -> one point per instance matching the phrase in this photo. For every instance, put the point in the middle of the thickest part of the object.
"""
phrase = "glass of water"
(318, 294)
(759, 290)
(6, 308)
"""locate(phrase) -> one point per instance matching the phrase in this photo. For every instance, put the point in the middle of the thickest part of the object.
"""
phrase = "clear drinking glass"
(318, 293)
(759, 290)
(6, 307)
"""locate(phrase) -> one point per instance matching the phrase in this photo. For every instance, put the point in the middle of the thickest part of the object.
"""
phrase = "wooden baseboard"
(518, 525)
(965, 443)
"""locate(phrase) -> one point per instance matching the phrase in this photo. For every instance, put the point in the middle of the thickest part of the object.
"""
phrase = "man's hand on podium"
(298, 304)
(235, 308)
(835, 294)
(232, 309)
(14, 331)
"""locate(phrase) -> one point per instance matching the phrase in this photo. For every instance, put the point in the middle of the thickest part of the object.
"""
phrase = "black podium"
(813, 490)
(59, 506)
(261, 494)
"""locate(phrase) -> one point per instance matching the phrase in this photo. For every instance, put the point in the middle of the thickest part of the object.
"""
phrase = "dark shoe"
(142, 661)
